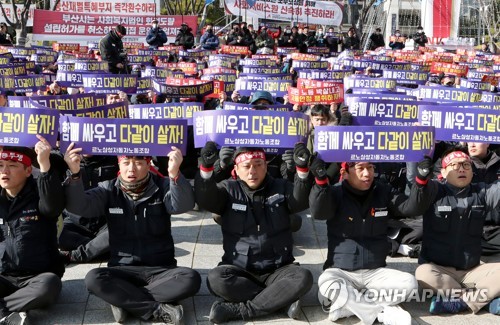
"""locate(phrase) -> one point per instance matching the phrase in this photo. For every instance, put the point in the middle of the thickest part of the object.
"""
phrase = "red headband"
(452, 155)
(16, 156)
(249, 155)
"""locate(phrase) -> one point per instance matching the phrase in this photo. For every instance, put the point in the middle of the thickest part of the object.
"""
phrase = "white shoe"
(119, 314)
(333, 315)
(394, 315)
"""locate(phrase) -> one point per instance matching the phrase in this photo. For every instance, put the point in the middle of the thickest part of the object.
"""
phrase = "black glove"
(301, 155)
(288, 158)
(318, 169)
(208, 154)
(345, 119)
(226, 157)
(424, 168)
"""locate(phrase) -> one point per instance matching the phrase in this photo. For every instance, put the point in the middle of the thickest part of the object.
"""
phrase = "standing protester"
(332, 40)
(142, 277)
(377, 39)
(420, 38)
(4, 35)
(257, 275)
(185, 37)
(31, 267)
(351, 42)
(111, 48)
(209, 41)
(156, 36)
(397, 41)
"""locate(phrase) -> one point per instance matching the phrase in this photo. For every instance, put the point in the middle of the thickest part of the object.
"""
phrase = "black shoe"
(15, 318)
(119, 314)
(169, 314)
(222, 312)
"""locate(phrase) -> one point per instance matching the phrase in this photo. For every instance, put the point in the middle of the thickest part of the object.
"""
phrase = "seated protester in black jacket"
(257, 275)
(142, 277)
(454, 216)
(31, 267)
(83, 240)
(357, 211)
(486, 168)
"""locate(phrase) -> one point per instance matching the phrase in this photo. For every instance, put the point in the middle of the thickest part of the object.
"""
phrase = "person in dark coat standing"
(377, 39)
(111, 48)
(156, 36)
(185, 37)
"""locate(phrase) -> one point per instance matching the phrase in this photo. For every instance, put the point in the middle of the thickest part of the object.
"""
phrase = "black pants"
(140, 289)
(85, 246)
(262, 294)
(29, 292)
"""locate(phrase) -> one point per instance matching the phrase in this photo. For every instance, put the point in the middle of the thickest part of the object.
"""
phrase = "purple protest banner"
(43, 59)
(165, 111)
(470, 84)
(373, 143)
(349, 98)
(19, 126)
(157, 72)
(65, 67)
(305, 64)
(261, 70)
(72, 78)
(257, 62)
(442, 93)
(23, 84)
(261, 76)
(19, 68)
(324, 74)
(186, 88)
(490, 105)
(109, 83)
(115, 110)
(143, 85)
(243, 107)
(461, 124)
(62, 102)
(123, 136)
(226, 77)
(407, 76)
(275, 131)
(7, 70)
(368, 82)
(160, 53)
(277, 88)
(487, 97)
(92, 66)
(6, 83)
(5, 58)
(140, 59)
(367, 111)
(382, 65)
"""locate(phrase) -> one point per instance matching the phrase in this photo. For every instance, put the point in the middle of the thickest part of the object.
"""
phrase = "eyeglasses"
(464, 164)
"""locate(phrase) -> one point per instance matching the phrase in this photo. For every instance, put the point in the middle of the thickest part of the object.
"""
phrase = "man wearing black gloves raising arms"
(357, 211)
(451, 244)
(257, 275)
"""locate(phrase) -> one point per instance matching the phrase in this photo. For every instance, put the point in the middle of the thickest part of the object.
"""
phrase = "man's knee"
(49, 287)
(94, 278)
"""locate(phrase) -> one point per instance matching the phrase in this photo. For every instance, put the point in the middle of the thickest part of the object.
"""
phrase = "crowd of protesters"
(118, 208)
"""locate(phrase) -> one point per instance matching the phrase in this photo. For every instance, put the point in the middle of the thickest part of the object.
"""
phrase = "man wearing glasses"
(451, 245)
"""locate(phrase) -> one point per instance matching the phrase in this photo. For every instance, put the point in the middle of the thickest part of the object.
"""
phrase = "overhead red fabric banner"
(442, 11)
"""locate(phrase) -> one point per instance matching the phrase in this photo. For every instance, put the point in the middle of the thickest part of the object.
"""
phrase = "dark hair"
(121, 29)
(320, 110)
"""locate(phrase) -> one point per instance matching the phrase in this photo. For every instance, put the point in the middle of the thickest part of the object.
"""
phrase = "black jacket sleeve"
(52, 200)
(209, 194)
